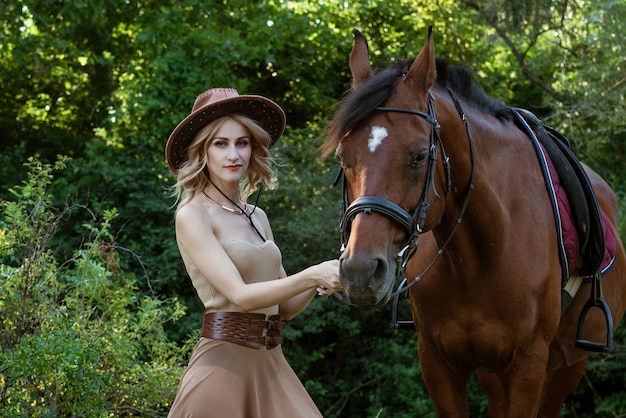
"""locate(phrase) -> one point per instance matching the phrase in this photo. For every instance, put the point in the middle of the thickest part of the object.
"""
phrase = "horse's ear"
(423, 71)
(360, 60)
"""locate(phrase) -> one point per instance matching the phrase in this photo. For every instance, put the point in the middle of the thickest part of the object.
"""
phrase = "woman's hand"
(322, 291)
(329, 278)
(322, 277)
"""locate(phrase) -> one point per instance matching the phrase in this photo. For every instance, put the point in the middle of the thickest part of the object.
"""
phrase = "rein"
(412, 224)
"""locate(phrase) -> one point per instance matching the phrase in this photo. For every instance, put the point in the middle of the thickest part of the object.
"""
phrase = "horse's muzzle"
(367, 279)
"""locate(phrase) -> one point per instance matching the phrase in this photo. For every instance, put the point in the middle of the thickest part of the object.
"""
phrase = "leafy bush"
(77, 338)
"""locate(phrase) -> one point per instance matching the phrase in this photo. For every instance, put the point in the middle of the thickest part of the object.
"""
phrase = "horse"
(426, 153)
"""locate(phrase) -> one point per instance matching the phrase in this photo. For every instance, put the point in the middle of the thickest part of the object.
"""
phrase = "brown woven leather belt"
(248, 329)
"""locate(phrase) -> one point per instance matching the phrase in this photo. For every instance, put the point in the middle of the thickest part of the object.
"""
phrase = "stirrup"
(596, 301)
(395, 322)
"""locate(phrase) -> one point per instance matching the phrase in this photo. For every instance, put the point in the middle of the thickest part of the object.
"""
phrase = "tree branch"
(519, 56)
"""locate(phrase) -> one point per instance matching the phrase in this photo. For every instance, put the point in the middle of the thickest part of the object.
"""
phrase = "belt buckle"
(268, 340)
(275, 324)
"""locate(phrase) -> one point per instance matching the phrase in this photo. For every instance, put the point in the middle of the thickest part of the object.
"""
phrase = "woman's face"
(229, 153)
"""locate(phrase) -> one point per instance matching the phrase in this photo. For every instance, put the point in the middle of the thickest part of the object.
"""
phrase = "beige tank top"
(255, 263)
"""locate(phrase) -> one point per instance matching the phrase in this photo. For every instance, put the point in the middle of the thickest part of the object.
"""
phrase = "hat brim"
(265, 112)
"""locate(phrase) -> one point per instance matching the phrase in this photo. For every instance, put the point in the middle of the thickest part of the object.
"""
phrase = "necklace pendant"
(238, 211)
(235, 211)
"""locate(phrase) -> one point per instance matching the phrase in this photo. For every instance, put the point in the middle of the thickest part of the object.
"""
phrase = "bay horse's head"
(385, 135)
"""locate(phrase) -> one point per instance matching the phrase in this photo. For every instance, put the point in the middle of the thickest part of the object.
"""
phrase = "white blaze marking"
(376, 137)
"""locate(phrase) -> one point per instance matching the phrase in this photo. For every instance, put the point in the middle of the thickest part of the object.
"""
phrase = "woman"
(219, 153)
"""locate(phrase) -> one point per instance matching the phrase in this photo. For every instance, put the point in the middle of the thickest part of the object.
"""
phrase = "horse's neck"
(508, 187)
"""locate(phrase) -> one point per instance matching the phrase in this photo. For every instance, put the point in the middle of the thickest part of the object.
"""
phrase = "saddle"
(587, 219)
(584, 206)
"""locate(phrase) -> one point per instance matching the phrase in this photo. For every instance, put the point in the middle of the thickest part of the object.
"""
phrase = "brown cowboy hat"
(212, 105)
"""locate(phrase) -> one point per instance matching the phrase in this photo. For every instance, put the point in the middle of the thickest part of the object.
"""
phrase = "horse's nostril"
(366, 278)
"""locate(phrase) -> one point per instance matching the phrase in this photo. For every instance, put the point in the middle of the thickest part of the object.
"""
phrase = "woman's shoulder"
(260, 214)
(256, 209)
(192, 212)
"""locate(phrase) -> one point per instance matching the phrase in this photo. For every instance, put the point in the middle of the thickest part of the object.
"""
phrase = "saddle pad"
(568, 229)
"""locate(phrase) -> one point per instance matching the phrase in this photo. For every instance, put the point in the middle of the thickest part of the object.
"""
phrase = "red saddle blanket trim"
(568, 229)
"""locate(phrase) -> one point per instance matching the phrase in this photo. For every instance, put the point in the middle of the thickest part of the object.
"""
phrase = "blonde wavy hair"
(192, 174)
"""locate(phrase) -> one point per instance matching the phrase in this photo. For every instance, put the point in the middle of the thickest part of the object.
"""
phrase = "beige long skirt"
(227, 380)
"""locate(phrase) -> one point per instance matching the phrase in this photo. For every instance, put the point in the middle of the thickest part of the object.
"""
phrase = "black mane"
(461, 81)
(378, 89)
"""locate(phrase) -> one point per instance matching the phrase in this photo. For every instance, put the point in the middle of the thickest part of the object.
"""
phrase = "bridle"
(413, 224)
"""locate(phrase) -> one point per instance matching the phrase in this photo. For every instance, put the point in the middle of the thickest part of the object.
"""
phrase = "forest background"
(97, 315)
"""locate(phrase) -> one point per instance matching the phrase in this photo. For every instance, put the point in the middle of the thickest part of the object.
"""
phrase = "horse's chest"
(472, 341)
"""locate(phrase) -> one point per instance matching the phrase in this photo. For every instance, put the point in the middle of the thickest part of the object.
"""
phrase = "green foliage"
(77, 338)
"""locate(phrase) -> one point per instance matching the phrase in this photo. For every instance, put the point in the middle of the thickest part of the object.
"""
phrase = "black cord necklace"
(241, 210)
(237, 211)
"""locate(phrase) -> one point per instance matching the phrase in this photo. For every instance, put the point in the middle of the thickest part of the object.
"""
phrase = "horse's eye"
(419, 158)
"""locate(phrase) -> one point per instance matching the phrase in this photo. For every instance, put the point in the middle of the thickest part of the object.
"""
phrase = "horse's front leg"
(445, 381)
(495, 393)
(558, 385)
(506, 400)
(523, 380)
